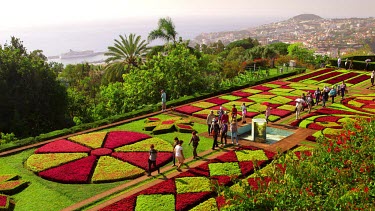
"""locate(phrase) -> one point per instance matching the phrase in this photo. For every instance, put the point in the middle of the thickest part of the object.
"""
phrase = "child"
(244, 111)
(174, 146)
(195, 140)
(268, 112)
(152, 159)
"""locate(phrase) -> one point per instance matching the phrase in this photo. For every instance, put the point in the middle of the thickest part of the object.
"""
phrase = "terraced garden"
(80, 168)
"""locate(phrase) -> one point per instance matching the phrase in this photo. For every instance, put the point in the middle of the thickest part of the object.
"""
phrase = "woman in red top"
(234, 112)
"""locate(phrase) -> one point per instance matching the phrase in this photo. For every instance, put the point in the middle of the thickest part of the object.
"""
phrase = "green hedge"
(143, 111)
(358, 62)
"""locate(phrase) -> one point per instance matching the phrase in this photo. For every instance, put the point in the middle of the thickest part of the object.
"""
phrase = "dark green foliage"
(32, 101)
(244, 43)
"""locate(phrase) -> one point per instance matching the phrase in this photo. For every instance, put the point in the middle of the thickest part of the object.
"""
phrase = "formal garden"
(332, 168)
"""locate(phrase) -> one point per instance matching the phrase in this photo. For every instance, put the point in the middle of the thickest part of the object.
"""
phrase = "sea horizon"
(58, 39)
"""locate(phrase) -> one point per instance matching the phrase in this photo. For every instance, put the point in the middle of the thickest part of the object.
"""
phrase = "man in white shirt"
(179, 155)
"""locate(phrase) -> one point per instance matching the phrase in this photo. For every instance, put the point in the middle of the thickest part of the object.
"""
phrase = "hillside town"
(325, 36)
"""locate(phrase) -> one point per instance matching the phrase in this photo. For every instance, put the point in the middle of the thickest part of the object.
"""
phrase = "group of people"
(320, 96)
(348, 64)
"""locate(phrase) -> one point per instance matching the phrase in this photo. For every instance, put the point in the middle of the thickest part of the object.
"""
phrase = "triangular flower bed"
(4, 202)
(169, 125)
(99, 164)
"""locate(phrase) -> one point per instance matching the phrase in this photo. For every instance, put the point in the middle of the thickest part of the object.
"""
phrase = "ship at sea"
(79, 54)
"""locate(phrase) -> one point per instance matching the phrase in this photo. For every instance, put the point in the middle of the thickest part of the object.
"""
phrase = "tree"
(32, 100)
(301, 53)
(166, 31)
(244, 43)
(280, 47)
(126, 51)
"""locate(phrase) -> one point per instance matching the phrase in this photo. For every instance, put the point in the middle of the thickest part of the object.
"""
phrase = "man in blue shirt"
(163, 100)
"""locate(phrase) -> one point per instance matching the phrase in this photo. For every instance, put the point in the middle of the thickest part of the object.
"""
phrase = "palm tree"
(166, 31)
(126, 51)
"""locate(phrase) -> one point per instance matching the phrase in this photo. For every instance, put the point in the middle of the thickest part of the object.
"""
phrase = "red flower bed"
(153, 119)
(101, 152)
(295, 123)
(227, 157)
(372, 106)
(217, 101)
(330, 111)
(266, 93)
(218, 108)
(4, 202)
(326, 76)
(280, 112)
(245, 100)
(140, 159)
(119, 138)
(286, 87)
(315, 126)
(62, 146)
(311, 138)
(262, 88)
(327, 119)
(282, 83)
(241, 94)
(307, 76)
(272, 105)
(74, 172)
(186, 201)
(201, 170)
(202, 116)
(292, 98)
(185, 126)
(358, 79)
(251, 114)
(365, 101)
(188, 109)
(305, 153)
(221, 202)
(246, 167)
(168, 122)
(165, 187)
(127, 204)
(222, 180)
(341, 78)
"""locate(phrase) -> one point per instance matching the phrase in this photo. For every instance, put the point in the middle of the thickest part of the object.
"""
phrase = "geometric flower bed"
(170, 125)
(310, 75)
(9, 184)
(194, 188)
(97, 157)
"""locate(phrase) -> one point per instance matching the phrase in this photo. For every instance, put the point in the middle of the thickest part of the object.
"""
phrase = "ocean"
(58, 39)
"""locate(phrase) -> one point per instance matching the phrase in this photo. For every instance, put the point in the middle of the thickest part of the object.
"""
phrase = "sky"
(18, 14)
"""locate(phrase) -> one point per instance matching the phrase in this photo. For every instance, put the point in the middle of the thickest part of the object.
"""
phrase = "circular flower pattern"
(97, 157)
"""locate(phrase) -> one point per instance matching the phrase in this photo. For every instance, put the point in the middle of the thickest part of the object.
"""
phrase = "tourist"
(351, 64)
(332, 93)
(234, 112)
(304, 101)
(195, 140)
(173, 152)
(215, 133)
(224, 130)
(317, 95)
(210, 118)
(233, 130)
(298, 109)
(367, 64)
(325, 96)
(163, 100)
(152, 159)
(338, 62)
(220, 114)
(179, 154)
(372, 77)
(343, 89)
(346, 64)
(244, 111)
(309, 101)
(225, 117)
(268, 113)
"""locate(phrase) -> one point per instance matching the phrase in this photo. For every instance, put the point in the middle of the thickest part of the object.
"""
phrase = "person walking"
(332, 93)
(372, 77)
(317, 95)
(346, 64)
(268, 113)
(179, 155)
(244, 111)
(234, 112)
(338, 62)
(298, 109)
(309, 101)
(173, 152)
(152, 159)
(343, 89)
(195, 140)
(225, 118)
(224, 130)
(215, 133)
(233, 130)
(220, 114)
(325, 96)
(210, 118)
(351, 64)
(163, 100)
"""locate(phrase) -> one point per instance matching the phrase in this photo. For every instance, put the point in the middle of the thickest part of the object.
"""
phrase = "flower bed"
(155, 202)
(262, 88)
(251, 155)
(230, 97)
(188, 109)
(252, 91)
(100, 164)
(287, 107)
(92, 140)
(4, 202)
(282, 100)
(341, 78)
(150, 126)
(281, 83)
(280, 112)
(310, 75)
(182, 128)
(204, 104)
(241, 94)
(217, 101)
(163, 128)
(327, 76)
(192, 188)
(358, 79)
(12, 186)
(209, 204)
